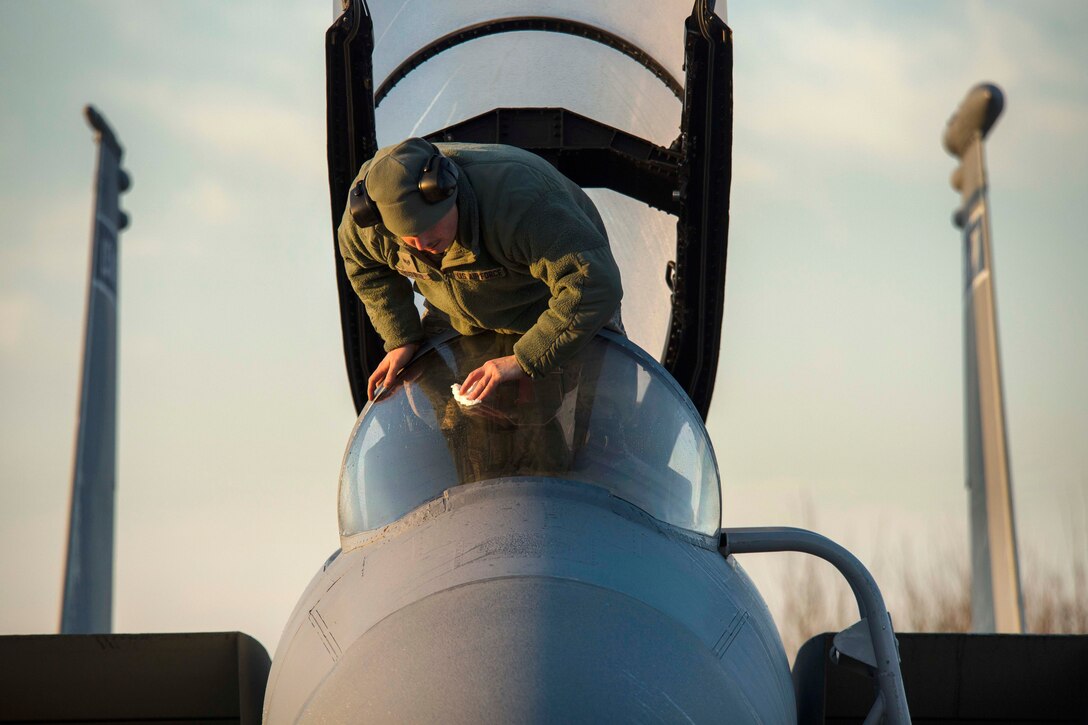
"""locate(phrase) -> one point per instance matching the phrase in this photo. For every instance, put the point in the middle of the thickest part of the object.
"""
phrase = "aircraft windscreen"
(612, 417)
(403, 26)
(548, 69)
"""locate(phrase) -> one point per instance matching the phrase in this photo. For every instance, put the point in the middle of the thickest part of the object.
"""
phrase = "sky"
(839, 398)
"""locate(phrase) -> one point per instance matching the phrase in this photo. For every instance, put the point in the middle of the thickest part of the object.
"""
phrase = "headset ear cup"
(363, 209)
(428, 182)
(448, 174)
(438, 180)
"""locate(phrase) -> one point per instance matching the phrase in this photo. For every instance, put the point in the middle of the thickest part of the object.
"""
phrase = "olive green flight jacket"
(531, 257)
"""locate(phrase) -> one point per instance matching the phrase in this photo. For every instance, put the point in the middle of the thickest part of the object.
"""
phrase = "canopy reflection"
(612, 417)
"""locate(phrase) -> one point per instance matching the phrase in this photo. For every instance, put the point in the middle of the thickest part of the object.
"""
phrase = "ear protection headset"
(437, 182)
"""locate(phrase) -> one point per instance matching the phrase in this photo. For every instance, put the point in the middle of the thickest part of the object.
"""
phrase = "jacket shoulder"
(496, 163)
(370, 242)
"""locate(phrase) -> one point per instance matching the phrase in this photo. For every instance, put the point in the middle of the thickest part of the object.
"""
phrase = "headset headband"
(437, 182)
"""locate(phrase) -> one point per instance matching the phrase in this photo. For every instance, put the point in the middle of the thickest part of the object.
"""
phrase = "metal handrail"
(892, 698)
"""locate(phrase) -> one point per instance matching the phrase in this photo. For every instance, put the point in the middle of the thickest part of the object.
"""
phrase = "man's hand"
(490, 374)
(386, 372)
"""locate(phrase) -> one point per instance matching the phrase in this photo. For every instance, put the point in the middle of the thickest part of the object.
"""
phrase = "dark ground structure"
(113, 678)
(955, 678)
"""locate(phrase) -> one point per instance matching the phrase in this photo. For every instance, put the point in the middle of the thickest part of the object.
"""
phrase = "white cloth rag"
(456, 388)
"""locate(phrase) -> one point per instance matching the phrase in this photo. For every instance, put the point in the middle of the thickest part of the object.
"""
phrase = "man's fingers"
(483, 386)
(488, 388)
(390, 378)
(482, 382)
(471, 380)
(372, 382)
(385, 374)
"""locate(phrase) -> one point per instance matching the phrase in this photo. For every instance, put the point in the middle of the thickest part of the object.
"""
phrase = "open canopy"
(629, 98)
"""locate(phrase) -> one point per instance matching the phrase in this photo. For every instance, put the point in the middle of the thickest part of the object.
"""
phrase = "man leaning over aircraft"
(494, 238)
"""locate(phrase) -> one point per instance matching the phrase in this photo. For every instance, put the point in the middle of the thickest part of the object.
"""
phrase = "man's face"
(438, 238)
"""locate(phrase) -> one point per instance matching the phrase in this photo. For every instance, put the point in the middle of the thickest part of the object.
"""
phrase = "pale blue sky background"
(841, 375)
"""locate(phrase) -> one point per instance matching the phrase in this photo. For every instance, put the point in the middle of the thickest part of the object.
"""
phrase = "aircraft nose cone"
(528, 649)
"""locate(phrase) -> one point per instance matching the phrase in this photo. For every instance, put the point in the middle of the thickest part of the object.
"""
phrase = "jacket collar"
(466, 247)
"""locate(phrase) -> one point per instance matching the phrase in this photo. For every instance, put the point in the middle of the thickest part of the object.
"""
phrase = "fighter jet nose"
(531, 600)
(528, 649)
(555, 560)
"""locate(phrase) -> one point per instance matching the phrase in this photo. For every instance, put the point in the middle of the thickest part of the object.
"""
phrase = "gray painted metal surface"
(891, 703)
(88, 579)
(996, 602)
(530, 600)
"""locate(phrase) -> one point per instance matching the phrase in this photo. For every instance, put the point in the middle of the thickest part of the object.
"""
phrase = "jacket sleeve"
(387, 296)
(562, 248)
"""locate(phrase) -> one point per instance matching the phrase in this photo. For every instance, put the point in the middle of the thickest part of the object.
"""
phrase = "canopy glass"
(403, 26)
(550, 69)
(612, 417)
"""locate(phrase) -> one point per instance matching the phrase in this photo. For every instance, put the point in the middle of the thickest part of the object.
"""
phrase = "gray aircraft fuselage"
(531, 598)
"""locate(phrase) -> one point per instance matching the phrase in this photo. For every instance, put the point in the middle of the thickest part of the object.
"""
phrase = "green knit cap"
(393, 183)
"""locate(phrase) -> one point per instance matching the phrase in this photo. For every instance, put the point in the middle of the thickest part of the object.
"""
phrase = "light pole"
(87, 606)
(996, 603)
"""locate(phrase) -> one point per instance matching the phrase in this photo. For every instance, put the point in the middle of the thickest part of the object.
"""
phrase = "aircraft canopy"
(631, 99)
(553, 69)
(612, 418)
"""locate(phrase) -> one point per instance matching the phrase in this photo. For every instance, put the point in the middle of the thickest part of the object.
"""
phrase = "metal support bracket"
(891, 703)
(854, 643)
(590, 153)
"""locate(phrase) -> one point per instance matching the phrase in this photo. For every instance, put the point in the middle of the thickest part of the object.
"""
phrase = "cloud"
(848, 88)
(47, 236)
(861, 85)
(212, 202)
(1008, 44)
(751, 169)
(15, 313)
(278, 45)
(231, 122)
(191, 221)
